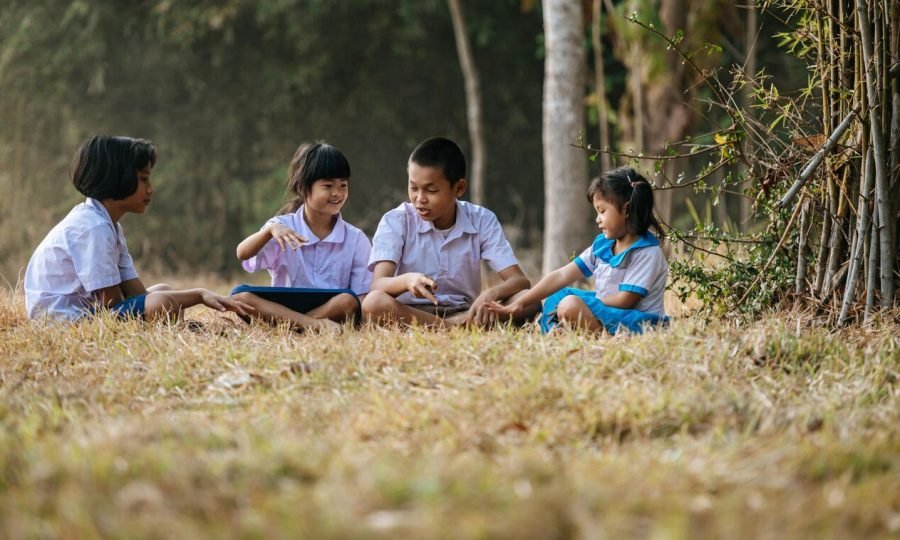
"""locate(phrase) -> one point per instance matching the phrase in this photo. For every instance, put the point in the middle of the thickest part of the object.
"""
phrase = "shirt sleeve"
(93, 253)
(360, 275)
(126, 263)
(495, 248)
(270, 256)
(390, 236)
(644, 267)
(586, 262)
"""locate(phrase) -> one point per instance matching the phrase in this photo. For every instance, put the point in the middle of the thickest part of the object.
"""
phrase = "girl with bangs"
(317, 261)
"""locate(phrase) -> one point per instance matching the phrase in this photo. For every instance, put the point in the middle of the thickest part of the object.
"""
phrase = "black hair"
(106, 167)
(626, 186)
(311, 162)
(443, 154)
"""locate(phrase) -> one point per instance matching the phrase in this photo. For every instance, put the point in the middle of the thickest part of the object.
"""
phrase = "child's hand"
(286, 236)
(500, 309)
(421, 286)
(225, 303)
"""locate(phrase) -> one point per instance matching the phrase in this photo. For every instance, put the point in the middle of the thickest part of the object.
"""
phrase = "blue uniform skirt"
(297, 299)
(610, 317)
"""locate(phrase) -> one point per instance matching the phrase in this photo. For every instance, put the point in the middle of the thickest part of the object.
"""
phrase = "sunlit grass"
(773, 429)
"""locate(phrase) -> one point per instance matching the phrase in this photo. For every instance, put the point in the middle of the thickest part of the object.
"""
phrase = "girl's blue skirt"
(611, 318)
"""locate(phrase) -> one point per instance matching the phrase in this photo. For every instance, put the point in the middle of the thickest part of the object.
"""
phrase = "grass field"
(773, 429)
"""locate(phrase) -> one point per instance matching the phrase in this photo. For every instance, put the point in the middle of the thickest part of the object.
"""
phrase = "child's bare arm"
(285, 236)
(109, 296)
(417, 284)
(170, 303)
(132, 287)
(548, 285)
(621, 299)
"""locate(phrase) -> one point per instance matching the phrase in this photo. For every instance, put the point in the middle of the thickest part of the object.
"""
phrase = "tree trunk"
(746, 102)
(473, 101)
(565, 167)
(600, 83)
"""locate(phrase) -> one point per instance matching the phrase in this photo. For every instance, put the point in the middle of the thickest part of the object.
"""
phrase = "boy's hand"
(479, 315)
(286, 236)
(421, 286)
(225, 303)
(503, 310)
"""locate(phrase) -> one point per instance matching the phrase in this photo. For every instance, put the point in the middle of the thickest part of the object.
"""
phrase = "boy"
(426, 254)
(83, 263)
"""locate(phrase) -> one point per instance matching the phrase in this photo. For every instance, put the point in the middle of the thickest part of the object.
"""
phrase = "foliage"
(118, 429)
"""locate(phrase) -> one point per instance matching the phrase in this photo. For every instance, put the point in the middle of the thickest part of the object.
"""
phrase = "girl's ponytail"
(627, 186)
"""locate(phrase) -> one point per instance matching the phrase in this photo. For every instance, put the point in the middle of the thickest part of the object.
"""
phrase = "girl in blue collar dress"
(625, 260)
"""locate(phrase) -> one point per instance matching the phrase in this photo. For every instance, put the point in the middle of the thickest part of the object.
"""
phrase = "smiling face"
(610, 219)
(328, 195)
(138, 201)
(433, 195)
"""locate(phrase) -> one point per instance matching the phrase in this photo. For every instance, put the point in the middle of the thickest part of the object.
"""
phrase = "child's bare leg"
(338, 308)
(574, 312)
(380, 307)
(274, 312)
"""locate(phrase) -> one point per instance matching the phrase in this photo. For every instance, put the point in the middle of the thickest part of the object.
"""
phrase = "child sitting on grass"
(318, 261)
(83, 265)
(427, 253)
(628, 266)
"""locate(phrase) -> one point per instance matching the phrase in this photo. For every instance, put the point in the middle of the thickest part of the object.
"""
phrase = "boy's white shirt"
(454, 261)
(83, 253)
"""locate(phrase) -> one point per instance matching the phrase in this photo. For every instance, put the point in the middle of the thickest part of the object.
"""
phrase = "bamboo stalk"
(872, 275)
(816, 160)
(862, 226)
(886, 245)
(838, 235)
(800, 282)
(824, 238)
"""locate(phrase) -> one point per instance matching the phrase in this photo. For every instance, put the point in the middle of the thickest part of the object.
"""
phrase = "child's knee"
(160, 287)
(570, 308)
(346, 303)
(377, 302)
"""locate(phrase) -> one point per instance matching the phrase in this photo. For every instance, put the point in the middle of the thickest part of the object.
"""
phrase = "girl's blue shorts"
(611, 318)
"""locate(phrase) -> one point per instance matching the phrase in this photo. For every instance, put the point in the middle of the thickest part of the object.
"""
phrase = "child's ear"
(625, 209)
(460, 187)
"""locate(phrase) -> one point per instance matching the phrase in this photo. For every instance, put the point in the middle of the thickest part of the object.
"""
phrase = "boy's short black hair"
(443, 154)
(106, 167)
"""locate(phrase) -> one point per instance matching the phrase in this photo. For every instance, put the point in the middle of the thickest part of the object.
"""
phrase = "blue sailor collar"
(463, 223)
(603, 248)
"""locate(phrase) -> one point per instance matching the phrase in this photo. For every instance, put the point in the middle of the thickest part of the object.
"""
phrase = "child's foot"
(326, 326)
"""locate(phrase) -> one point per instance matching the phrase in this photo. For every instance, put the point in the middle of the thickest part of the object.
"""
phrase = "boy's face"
(432, 195)
(138, 201)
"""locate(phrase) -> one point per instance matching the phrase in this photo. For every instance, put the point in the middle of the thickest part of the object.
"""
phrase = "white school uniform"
(641, 269)
(83, 253)
(338, 261)
(453, 261)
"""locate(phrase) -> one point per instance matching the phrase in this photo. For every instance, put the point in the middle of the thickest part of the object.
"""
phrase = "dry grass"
(775, 429)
